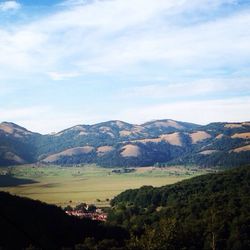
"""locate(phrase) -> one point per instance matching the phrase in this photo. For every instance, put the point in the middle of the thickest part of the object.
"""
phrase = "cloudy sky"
(72, 62)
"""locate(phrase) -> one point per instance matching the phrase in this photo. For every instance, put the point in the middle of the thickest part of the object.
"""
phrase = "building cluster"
(97, 215)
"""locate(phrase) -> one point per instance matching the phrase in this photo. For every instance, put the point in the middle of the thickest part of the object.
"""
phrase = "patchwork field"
(88, 183)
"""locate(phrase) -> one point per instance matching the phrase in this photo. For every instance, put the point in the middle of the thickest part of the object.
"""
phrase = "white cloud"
(9, 6)
(125, 35)
(200, 112)
(5, 88)
(54, 120)
(131, 38)
(58, 76)
(12, 114)
(48, 119)
(23, 115)
(45, 119)
(72, 3)
(221, 43)
(189, 88)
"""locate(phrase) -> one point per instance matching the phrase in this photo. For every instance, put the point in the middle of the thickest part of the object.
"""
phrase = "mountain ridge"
(99, 124)
(118, 143)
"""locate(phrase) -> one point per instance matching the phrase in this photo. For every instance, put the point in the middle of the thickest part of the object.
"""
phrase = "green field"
(88, 183)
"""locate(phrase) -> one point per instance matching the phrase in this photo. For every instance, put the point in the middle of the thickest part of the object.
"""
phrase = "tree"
(82, 207)
(91, 208)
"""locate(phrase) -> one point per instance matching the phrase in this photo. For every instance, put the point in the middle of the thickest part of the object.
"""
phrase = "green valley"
(87, 183)
(205, 212)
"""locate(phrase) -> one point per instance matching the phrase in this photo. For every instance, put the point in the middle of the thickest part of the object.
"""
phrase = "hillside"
(117, 143)
(17, 144)
(26, 223)
(205, 212)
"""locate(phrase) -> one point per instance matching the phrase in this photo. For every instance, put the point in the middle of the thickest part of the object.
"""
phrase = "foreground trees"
(209, 212)
(206, 212)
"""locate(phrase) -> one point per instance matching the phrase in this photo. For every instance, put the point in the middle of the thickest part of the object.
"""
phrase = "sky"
(64, 63)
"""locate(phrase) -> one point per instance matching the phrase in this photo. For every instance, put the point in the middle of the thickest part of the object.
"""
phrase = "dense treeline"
(223, 155)
(218, 159)
(228, 181)
(206, 212)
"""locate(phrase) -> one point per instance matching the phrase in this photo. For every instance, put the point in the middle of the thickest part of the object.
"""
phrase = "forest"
(206, 212)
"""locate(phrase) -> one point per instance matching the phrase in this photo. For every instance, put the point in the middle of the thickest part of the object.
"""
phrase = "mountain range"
(117, 143)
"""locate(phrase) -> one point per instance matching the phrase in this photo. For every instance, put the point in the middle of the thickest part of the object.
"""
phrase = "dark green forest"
(205, 212)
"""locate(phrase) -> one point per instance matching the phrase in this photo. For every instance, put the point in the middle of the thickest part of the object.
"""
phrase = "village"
(86, 211)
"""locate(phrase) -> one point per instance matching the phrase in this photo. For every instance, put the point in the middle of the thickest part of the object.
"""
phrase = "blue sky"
(72, 62)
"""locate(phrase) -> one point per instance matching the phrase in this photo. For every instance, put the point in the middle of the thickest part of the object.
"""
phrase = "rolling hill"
(205, 212)
(117, 143)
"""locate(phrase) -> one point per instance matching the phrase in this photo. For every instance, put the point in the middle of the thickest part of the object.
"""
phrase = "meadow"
(88, 183)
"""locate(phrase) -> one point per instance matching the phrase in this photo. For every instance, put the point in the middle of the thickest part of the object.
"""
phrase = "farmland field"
(87, 183)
